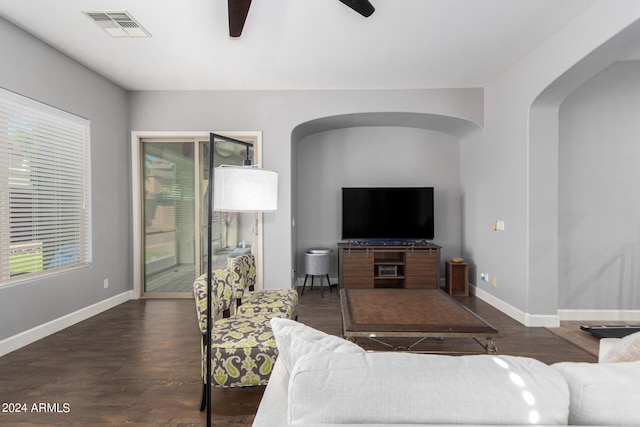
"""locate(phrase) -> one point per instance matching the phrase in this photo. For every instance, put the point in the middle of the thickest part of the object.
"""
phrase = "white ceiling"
(300, 44)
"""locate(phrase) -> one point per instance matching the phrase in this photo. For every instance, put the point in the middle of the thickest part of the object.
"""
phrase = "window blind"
(44, 189)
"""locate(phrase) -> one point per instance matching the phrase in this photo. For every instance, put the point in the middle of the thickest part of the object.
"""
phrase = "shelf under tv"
(375, 266)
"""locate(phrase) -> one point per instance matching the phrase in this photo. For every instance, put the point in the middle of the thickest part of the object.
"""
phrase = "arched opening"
(373, 149)
(551, 214)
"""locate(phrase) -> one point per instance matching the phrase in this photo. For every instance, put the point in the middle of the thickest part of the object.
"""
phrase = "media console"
(389, 266)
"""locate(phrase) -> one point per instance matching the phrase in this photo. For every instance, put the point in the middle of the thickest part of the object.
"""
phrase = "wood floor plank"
(138, 364)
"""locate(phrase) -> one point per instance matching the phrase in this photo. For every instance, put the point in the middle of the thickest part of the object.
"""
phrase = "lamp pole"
(209, 276)
(247, 162)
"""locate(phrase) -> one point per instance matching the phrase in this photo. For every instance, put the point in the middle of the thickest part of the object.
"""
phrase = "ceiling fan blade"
(238, 11)
(363, 7)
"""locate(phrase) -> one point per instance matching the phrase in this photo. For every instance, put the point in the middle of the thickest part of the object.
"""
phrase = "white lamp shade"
(244, 189)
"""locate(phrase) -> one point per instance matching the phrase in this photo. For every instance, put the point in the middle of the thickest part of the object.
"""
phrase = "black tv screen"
(403, 213)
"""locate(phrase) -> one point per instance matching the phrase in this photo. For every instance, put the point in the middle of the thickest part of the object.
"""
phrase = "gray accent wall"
(518, 162)
(286, 118)
(599, 192)
(510, 170)
(373, 157)
(36, 70)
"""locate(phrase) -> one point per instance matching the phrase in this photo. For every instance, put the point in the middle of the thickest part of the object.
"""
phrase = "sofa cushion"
(402, 388)
(602, 393)
(222, 292)
(243, 351)
(295, 339)
(281, 301)
(626, 349)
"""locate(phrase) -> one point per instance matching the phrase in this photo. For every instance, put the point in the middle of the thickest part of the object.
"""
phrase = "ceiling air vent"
(118, 24)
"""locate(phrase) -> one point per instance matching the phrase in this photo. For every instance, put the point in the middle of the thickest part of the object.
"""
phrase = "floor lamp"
(233, 189)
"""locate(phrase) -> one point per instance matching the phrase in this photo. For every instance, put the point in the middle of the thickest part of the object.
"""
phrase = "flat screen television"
(391, 213)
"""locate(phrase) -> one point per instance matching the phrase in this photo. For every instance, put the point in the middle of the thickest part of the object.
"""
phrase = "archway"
(372, 149)
(543, 145)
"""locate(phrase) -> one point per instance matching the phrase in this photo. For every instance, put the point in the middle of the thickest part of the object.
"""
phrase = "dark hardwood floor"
(138, 364)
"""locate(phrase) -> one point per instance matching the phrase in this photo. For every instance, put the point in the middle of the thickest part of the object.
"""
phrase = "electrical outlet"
(494, 282)
(105, 283)
(484, 277)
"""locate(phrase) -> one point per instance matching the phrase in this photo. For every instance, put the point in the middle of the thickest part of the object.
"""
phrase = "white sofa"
(323, 380)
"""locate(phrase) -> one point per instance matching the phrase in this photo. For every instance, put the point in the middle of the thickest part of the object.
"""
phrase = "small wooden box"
(457, 278)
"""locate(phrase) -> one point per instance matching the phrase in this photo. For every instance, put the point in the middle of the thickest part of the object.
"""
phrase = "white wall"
(35, 70)
(373, 157)
(277, 114)
(509, 171)
(599, 185)
(505, 170)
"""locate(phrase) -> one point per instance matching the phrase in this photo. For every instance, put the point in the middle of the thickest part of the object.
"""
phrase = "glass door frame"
(137, 195)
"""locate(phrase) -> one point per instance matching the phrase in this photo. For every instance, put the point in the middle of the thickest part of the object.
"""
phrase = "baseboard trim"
(32, 335)
(527, 319)
(600, 315)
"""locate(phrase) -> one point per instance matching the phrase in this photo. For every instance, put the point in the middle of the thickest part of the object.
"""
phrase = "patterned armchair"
(250, 302)
(243, 349)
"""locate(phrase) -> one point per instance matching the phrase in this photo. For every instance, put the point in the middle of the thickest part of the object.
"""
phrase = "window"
(44, 190)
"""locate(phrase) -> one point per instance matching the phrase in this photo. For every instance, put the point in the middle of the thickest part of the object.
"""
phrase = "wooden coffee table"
(416, 314)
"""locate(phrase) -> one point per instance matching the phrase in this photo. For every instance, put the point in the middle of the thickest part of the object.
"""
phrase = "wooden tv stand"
(372, 266)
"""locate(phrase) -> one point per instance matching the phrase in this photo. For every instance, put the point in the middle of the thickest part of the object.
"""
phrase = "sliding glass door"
(169, 216)
(231, 231)
(170, 241)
